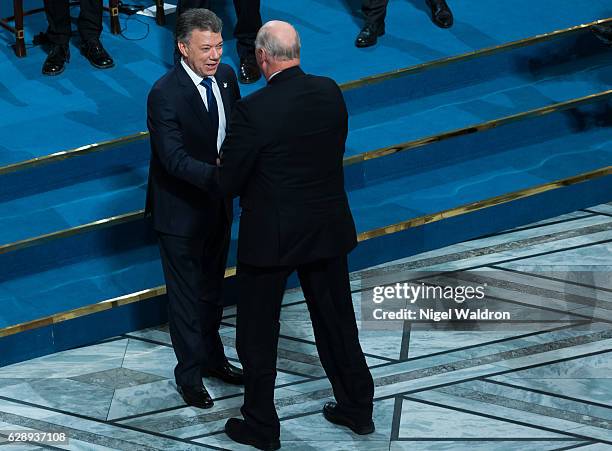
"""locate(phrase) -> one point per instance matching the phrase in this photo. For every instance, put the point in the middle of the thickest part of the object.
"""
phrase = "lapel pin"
(225, 85)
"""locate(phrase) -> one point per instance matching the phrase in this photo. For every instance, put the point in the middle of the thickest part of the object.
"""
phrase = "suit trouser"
(194, 269)
(375, 10)
(58, 17)
(248, 22)
(326, 288)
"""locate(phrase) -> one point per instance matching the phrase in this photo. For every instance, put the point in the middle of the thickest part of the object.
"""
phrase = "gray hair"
(275, 47)
(196, 19)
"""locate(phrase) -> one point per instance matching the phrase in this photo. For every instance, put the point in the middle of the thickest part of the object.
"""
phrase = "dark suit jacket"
(182, 194)
(283, 157)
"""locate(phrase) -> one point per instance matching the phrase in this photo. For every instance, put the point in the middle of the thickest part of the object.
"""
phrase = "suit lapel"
(193, 98)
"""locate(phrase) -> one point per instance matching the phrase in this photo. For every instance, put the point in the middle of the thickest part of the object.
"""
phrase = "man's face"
(203, 52)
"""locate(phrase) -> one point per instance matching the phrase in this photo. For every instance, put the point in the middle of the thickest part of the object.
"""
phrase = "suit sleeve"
(236, 86)
(238, 153)
(167, 143)
(344, 114)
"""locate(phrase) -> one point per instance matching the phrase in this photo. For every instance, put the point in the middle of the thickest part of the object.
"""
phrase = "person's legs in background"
(90, 29)
(248, 23)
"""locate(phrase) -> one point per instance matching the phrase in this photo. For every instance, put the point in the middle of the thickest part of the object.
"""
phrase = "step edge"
(478, 128)
(375, 233)
(485, 203)
(348, 161)
(64, 233)
(378, 78)
(70, 153)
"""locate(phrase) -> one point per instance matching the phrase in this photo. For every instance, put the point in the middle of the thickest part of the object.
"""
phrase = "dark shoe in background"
(195, 396)
(96, 54)
(249, 71)
(332, 413)
(368, 36)
(58, 56)
(239, 432)
(227, 373)
(441, 14)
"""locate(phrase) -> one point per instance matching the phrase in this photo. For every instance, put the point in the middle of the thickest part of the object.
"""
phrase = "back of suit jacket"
(283, 157)
(182, 195)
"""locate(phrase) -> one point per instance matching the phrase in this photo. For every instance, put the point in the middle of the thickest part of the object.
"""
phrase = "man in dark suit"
(376, 10)
(248, 23)
(58, 34)
(283, 157)
(188, 109)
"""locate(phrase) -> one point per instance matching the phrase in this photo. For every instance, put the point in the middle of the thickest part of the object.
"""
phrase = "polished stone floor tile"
(118, 378)
(483, 445)
(592, 257)
(144, 398)
(537, 231)
(150, 358)
(70, 363)
(423, 421)
(603, 208)
(587, 389)
(63, 394)
(536, 412)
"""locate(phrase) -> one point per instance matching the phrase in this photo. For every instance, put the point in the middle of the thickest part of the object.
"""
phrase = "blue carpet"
(41, 115)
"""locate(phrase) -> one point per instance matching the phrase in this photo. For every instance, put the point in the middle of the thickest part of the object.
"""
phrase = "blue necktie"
(213, 112)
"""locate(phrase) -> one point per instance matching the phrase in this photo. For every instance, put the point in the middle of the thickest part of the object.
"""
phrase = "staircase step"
(473, 91)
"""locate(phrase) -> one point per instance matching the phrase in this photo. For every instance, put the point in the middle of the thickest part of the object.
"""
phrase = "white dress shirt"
(217, 93)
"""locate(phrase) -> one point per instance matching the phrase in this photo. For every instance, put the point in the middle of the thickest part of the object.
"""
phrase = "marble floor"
(541, 381)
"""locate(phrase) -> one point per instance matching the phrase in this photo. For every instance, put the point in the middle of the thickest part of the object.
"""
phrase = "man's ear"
(182, 48)
(261, 54)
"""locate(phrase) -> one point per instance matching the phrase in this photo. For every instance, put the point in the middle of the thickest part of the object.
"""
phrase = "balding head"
(277, 47)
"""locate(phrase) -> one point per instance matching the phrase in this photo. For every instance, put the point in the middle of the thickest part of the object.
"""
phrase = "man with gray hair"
(283, 156)
(187, 112)
(248, 22)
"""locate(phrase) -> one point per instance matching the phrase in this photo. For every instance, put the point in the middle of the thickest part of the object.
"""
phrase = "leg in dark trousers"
(248, 23)
(257, 330)
(214, 261)
(58, 18)
(193, 269)
(375, 11)
(90, 19)
(327, 290)
(184, 5)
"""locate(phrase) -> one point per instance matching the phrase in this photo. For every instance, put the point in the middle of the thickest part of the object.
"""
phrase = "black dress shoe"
(95, 53)
(57, 58)
(441, 14)
(195, 396)
(368, 36)
(249, 71)
(227, 373)
(333, 415)
(238, 431)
